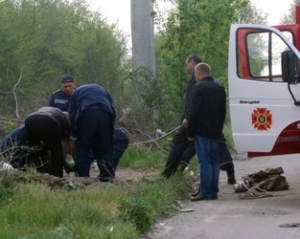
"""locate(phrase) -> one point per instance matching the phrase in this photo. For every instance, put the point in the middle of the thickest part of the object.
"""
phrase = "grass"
(34, 211)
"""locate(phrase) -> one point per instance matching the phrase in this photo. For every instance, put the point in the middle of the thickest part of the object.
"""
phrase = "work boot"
(230, 175)
(231, 179)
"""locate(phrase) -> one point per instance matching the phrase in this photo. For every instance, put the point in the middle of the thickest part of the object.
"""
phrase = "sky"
(119, 10)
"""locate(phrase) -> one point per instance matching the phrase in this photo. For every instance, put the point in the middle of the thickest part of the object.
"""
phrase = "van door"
(264, 93)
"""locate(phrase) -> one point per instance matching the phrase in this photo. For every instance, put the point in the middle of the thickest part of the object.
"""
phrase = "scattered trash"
(159, 133)
(289, 225)
(7, 167)
(179, 203)
(96, 166)
(242, 186)
(63, 232)
(191, 173)
(72, 185)
(187, 210)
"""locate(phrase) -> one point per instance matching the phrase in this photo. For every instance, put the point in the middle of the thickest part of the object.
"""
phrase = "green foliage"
(45, 39)
(113, 211)
(7, 191)
(8, 126)
(136, 157)
(195, 27)
(290, 17)
(136, 211)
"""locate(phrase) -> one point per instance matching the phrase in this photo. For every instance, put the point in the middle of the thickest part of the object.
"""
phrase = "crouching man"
(49, 126)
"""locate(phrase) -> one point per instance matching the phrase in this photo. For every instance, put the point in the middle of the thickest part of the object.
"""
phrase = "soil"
(70, 181)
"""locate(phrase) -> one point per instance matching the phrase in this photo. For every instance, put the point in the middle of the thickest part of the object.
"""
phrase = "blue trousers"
(225, 156)
(208, 153)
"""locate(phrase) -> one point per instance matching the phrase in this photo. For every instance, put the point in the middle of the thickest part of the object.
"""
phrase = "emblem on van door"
(262, 119)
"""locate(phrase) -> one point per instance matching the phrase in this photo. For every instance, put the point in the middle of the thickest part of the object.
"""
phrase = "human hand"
(71, 147)
(184, 123)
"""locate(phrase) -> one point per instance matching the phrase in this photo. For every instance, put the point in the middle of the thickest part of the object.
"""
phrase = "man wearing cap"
(60, 98)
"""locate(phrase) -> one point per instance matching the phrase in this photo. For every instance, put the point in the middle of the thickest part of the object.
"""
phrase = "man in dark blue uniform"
(92, 116)
(60, 98)
(11, 147)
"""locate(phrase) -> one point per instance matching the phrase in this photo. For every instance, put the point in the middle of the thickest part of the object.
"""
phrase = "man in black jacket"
(179, 142)
(181, 150)
(206, 118)
(49, 126)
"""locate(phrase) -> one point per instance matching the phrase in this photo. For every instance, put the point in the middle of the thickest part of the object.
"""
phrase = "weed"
(8, 126)
(136, 211)
(7, 190)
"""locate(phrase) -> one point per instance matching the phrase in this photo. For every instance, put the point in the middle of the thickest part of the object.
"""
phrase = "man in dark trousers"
(226, 162)
(60, 99)
(49, 126)
(181, 150)
(92, 117)
(179, 142)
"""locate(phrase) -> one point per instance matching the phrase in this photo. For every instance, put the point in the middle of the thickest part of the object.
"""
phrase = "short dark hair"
(195, 58)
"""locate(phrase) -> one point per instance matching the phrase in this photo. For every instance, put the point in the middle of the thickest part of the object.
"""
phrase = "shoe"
(202, 198)
(231, 179)
(194, 194)
(198, 197)
(213, 198)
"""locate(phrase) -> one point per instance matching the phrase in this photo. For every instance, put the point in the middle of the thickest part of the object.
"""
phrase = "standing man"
(92, 117)
(206, 118)
(179, 142)
(181, 150)
(49, 126)
(60, 98)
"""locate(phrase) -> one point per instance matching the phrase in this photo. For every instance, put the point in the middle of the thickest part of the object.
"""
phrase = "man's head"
(201, 70)
(191, 62)
(67, 84)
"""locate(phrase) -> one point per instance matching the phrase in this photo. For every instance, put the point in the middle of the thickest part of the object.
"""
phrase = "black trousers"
(178, 145)
(182, 151)
(43, 129)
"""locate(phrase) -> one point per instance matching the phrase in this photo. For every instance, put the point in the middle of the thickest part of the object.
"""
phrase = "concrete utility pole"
(142, 33)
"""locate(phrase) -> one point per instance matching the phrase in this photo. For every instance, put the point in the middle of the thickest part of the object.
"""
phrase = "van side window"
(260, 54)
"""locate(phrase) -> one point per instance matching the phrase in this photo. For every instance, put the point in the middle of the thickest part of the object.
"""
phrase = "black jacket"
(187, 96)
(206, 113)
(59, 117)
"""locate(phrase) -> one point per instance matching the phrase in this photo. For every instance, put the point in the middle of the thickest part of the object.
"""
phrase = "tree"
(49, 38)
(290, 18)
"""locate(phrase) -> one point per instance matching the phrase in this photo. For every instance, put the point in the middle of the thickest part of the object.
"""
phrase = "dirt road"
(230, 217)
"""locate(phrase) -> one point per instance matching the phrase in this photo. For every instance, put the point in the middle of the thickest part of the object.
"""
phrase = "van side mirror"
(289, 69)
